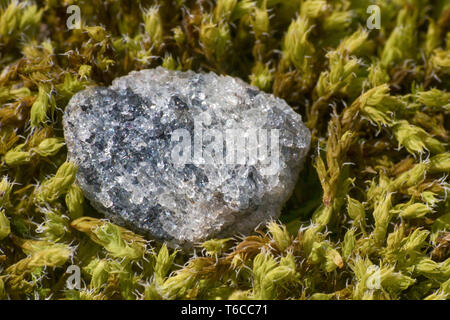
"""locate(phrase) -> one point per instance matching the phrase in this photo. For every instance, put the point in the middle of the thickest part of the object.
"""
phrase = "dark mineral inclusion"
(183, 157)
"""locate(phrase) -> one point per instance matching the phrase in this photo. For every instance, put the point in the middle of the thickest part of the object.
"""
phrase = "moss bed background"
(370, 216)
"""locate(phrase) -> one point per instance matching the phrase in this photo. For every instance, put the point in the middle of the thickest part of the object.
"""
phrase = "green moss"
(369, 218)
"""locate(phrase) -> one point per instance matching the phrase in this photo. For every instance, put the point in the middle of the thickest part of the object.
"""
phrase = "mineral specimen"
(183, 157)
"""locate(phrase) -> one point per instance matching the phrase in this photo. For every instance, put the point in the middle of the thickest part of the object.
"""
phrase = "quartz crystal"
(183, 157)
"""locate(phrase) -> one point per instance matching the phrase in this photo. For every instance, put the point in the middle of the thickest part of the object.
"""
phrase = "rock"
(183, 157)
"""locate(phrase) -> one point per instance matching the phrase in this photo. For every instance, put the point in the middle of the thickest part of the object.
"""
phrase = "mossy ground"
(370, 216)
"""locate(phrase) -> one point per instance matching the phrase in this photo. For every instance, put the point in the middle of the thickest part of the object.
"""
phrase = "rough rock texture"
(126, 141)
